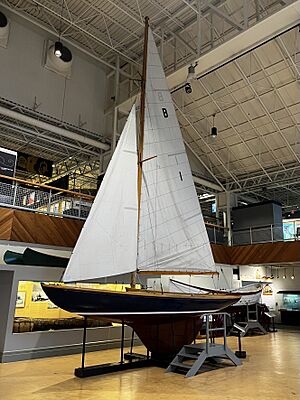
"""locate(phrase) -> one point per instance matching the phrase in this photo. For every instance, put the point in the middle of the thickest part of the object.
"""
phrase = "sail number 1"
(165, 112)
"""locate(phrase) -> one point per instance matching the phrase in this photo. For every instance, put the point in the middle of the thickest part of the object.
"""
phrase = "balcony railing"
(24, 195)
(258, 234)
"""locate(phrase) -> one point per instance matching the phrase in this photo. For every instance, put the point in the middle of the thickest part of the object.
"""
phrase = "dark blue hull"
(93, 302)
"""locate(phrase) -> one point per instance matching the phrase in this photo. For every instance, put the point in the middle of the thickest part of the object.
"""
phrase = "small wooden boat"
(33, 257)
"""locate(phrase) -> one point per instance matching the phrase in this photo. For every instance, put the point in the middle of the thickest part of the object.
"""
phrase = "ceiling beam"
(226, 17)
(53, 128)
(245, 41)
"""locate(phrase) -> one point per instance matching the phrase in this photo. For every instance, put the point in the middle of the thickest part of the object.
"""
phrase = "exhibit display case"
(290, 311)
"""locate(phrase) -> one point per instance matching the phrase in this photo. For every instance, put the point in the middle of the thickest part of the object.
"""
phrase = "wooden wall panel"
(221, 254)
(265, 253)
(6, 220)
(29, 227)
(44, 229)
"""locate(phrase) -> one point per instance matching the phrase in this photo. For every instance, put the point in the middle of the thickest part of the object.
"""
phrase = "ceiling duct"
(4, 30)
(61, 65)
(53, 128)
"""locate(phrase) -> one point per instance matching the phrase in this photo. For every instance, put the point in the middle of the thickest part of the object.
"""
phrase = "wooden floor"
(271, 371)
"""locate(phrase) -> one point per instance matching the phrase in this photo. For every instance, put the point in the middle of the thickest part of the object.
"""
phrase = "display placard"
(8, 160)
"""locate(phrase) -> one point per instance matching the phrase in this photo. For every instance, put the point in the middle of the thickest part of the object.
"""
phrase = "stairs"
(198, 353)
(192, 356)
(252, 322)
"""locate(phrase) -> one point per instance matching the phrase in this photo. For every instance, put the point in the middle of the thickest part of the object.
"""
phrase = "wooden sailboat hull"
(163, 322)
(129, 305)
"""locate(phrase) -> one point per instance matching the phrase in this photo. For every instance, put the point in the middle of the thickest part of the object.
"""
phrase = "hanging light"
(293, 274)
(58, 48)
(284, 274)
(214, 130)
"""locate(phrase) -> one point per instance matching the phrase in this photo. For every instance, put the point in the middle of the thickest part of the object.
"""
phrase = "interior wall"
(6, 281)
(20, 346)
(274, 301)
(23, 77)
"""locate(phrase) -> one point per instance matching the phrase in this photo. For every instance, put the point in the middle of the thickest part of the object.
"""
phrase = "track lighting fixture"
(214, 130)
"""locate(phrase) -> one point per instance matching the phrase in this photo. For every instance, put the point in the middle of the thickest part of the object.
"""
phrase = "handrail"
(41, 185)
(215, 225)
(52, 197)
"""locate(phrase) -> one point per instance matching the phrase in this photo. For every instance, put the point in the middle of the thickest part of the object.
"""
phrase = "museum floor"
(271, 371)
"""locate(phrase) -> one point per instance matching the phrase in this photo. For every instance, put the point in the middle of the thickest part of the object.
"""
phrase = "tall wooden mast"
(141, 130)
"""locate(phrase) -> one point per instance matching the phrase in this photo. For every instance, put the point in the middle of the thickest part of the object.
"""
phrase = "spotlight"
(284, 276)
(58, 49)
(214, 130)
(188, 88)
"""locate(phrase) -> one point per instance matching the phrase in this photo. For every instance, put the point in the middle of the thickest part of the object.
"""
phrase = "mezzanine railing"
(46, 199)
(258, 234)
(24, 195)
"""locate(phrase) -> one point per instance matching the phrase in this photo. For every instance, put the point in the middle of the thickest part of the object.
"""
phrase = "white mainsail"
(172, 234)
(107, 244)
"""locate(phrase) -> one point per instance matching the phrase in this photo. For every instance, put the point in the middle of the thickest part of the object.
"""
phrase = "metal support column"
(228, 217)
(116, 98)
(199, 24)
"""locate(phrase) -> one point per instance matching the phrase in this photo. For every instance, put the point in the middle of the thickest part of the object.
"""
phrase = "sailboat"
(146, 219)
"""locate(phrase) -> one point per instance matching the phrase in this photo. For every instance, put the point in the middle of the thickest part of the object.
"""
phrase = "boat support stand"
(252, 323)
(128, 361)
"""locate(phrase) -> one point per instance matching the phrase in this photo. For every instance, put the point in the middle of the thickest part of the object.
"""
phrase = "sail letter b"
(165, 112)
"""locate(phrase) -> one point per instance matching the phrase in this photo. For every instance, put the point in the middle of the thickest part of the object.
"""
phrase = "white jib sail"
(172, 235)
(107, 244)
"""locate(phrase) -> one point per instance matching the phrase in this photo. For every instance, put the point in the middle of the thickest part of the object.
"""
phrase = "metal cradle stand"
(198, 353)
(271, 315)
(252, 322)
(127, 361)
